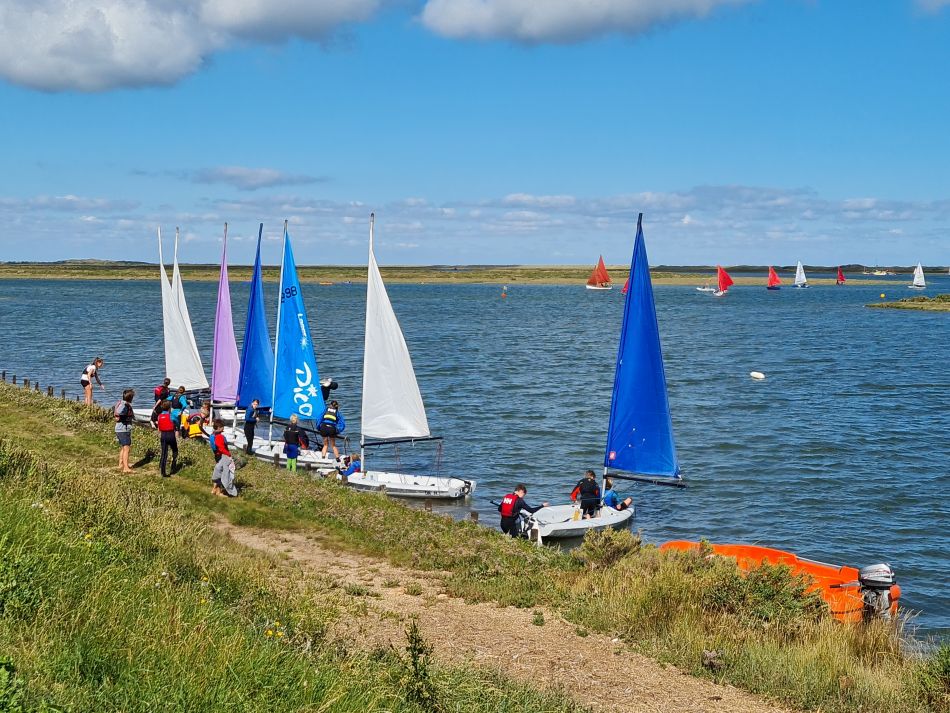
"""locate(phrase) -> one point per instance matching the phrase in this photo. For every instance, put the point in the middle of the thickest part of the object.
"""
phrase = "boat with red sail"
(840, 279)
(724, 282)
(773, 281)
(599, 279)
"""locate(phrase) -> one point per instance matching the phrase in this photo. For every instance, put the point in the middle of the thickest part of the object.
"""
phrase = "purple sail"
(225, 364)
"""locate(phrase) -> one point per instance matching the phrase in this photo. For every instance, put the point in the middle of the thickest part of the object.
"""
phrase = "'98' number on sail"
(288, 293)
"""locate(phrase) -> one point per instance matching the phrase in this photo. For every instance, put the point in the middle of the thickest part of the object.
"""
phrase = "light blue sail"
(256, 378)
(640, 434)
(296, 380)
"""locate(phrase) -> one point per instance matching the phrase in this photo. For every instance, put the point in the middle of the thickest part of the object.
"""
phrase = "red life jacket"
(160, 392)
(165, 422)
(508, 505)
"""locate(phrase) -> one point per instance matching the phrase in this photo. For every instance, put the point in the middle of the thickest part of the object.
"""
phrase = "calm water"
(841, 454)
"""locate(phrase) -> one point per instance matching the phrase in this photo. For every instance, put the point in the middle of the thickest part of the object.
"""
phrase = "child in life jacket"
(222, 477)
(512, 506)
(167, 437)
(198, 421)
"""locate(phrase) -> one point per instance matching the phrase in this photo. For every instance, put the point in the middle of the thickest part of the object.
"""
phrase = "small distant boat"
(706, 288)
(852, 595)
(840, 279)
(773, 281)
(919, 282)
(599, 279)
(640, 431)
(724, 282)
(880, 273)
(800, 281)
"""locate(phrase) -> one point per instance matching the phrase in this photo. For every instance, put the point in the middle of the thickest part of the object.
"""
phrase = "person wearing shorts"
(88, 374)
(123, 428)
(331, 425)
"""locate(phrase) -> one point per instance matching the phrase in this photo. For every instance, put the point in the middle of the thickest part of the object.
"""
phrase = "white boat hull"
(556, 522)
(916, 287)
(266, 450)
(720, 293)
(404, 485)
(705, 289)
(801, 287)
(595, 287)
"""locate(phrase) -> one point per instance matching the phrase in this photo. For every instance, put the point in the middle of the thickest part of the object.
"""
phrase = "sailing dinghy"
(599, 279)
(800, 281)
(640, 431)
(839, 280)
(225, 364)
(919, 282)
(392, 410)
(774, 282)
(182, 360)
(725, 282)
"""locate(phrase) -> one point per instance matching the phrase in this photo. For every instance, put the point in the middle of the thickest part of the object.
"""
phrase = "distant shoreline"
(431, 274)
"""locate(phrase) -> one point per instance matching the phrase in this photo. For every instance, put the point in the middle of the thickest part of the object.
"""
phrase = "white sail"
(182, 361)
(392, 405)
(800, 275)
(919, 276)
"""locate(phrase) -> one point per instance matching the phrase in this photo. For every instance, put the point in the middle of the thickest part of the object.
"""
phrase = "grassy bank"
(132, 592)
(430, 274)
(937, 303)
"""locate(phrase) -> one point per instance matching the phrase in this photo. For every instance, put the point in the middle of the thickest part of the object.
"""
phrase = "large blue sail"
(296, 381)
(256, 378)
(640, 434)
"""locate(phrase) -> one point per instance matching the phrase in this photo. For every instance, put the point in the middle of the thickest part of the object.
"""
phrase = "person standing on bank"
(292, 443)
(89, 373)
(222, 477)
(169, 441)
(512, 505)
(331, 425)
(250, 423)
(123, 428)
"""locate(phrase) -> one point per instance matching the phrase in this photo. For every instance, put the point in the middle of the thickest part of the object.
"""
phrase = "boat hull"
(597, 287)
(773, 288)
(916, 287)
(404, 485)
(556, 522)
(705, 289)
(801, 287)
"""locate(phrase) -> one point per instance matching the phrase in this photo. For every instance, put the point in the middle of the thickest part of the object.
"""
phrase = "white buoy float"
(757, 375)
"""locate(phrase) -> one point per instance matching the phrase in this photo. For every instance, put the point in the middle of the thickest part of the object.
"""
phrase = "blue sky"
(480, 131)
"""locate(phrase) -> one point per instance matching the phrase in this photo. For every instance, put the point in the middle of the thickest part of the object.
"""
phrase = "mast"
(273, 389)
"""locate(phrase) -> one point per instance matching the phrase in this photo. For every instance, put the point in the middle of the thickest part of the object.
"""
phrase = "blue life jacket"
(610, 499)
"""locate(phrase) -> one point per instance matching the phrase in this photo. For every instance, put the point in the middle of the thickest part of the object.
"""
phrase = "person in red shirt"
(222, 478)
(166, 434)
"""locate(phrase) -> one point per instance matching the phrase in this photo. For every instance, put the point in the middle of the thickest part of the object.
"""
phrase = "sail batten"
(296, 389)
(182, 361)
(392, 406)
(256, 377)
(640, 432)
(225, 364)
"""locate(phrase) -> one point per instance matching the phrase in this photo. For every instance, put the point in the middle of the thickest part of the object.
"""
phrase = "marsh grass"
(767, 634)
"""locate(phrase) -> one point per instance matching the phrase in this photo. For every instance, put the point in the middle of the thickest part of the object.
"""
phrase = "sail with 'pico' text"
(256, 379)
(640, 432)
(296, 379)
(225, 364)
(182, 361)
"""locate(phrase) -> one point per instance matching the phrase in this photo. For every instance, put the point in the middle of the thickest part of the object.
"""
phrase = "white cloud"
(96, 45)
(250, 179)
(535, 21)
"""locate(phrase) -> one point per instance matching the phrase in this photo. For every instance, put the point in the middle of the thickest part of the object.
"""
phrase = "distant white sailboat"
(392, 408)
(919, 282)
(800, 280)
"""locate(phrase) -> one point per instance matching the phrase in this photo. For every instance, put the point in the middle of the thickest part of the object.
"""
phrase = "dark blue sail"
(640, 434)
(256, 378)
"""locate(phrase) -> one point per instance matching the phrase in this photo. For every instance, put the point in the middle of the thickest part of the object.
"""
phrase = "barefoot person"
(222, 478)
(331, 425)
(612, 500)
(89, 373)
(123, 428)
(588, 493)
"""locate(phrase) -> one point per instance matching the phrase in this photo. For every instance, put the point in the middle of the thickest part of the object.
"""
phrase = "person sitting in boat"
(512, 507)
(198, 421)
(331, 425)
(351, 464)
(162, 391)
(612, 500)
(588, 493)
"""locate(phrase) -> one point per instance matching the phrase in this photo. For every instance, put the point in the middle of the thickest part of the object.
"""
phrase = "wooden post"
(36, 386)
(344, 479)
(14, 380)
(4, 375)
(382, 488)
(277, 460)
(77, 398)
(473, 516)
(26, 383)
(428, 505)
(62, 394)
(49, 391)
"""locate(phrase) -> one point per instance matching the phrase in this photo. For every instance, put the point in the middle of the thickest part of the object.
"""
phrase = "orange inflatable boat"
(853, 595)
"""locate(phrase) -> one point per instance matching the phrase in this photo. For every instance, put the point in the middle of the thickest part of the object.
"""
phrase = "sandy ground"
(594, 670)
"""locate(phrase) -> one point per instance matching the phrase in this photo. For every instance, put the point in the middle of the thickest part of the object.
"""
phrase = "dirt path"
(595, 670)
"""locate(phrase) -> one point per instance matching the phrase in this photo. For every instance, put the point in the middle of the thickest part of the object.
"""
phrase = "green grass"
(937, 303)
(768, 635)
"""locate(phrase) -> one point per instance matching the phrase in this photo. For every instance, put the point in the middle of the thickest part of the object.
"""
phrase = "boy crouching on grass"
(222, 478)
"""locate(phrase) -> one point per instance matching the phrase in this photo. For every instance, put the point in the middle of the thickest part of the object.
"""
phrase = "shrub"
(933, 680)
(602, 549)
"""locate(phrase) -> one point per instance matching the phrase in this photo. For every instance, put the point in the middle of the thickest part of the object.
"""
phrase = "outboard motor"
(326, 386)
(879, 590)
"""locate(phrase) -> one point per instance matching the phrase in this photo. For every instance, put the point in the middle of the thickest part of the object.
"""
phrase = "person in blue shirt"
(612, 500)
(331, 425)
(179, 404)
(355, 466)
(250, 423)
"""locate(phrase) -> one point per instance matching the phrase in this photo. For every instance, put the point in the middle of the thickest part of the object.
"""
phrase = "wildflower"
(204, 601)
(276, 623)
(269, 632)
(279, 634)
(88, 535)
